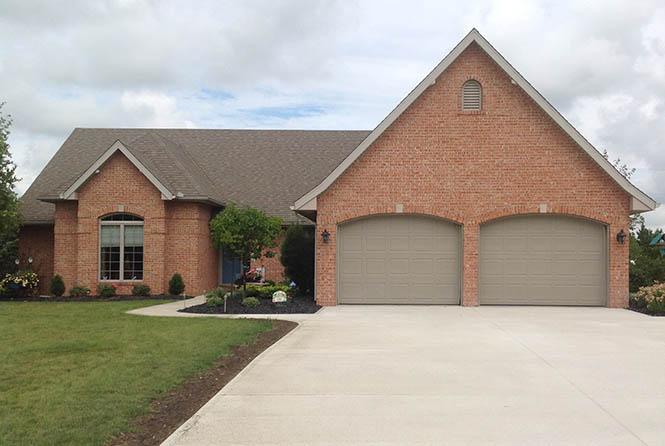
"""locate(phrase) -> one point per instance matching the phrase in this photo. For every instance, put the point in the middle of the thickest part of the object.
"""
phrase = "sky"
(321, 64)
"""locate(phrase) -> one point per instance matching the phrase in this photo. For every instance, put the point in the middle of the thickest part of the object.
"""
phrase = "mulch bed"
(644, 311)
(173, 409)
(87, 298)
(234, 306)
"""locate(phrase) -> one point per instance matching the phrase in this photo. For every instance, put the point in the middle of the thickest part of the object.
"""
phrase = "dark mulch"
(235, 306)
(87, 298)
(643, 310)
(172, 410)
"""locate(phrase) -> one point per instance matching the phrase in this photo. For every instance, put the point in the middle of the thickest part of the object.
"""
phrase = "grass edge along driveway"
(77, 373)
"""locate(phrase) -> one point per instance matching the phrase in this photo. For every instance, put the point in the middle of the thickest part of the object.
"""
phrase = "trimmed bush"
(176, 285)
(141, 289)
(79, 291)
(297, 256)
(57, 286)
(251, 302)
(106, 290)
(266, 291)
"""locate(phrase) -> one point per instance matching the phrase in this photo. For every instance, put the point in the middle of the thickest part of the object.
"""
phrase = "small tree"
(245, 232)
(297, 256)
(9, 214)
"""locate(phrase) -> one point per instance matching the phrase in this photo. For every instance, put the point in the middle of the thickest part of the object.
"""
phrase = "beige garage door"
(399, 259)
(542, 260)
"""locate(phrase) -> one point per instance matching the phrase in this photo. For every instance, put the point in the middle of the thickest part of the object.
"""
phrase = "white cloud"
(320, 64)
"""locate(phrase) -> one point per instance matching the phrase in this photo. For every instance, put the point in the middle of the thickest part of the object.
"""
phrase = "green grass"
(77, 373)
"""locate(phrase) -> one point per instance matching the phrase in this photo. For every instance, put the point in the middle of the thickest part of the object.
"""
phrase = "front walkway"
(171, 309)
(448, 375)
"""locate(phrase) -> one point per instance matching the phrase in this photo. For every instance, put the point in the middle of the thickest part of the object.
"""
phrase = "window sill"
(120, 281)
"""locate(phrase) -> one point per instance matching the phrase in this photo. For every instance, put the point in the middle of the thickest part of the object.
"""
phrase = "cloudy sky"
(324, 64)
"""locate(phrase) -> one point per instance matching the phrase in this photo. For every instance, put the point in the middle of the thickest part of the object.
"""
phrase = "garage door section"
(399, 259)
(542, 260)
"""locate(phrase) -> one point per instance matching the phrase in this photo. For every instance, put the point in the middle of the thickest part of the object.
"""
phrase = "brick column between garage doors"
(471, 233)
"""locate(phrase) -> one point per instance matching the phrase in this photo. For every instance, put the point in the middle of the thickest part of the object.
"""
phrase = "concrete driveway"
(448, 375)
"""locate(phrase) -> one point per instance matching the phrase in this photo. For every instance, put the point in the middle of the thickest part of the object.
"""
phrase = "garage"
(543, 260)
(399, 259)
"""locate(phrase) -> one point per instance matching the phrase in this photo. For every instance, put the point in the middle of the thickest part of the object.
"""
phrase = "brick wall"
(273, 265)
(36, 241)
(175, 233)
(472, 168)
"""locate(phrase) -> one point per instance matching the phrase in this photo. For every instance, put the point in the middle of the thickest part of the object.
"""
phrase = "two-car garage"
(522, 260)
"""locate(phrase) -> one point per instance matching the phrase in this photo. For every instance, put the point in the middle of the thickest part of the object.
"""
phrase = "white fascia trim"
(430, 79)
(70, 193)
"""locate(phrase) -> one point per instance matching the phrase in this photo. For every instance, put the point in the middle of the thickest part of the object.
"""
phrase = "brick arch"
(133, 214)
(570, 211)
(381, 214)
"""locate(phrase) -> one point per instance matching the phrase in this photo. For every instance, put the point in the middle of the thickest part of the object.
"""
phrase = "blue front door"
(230, 268)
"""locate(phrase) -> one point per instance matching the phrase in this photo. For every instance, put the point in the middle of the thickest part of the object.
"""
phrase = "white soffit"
(647, 203)
(70, 193)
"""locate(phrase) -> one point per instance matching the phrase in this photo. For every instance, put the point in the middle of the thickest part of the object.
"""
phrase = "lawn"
(77, 373)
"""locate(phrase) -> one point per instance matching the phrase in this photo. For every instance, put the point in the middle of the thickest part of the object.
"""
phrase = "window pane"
(133, 254)
(121, 217)
(110, 236)
(110, 263)
(133, 236)
(133, 263)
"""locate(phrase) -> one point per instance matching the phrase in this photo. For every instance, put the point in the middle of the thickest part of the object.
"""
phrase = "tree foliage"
(647, 265)
(245, 232)
(9, 212)
(297, 256)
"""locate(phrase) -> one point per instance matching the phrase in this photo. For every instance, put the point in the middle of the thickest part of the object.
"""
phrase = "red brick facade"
(176, 236)
(36, 242)
(471, 168)
(273, 265)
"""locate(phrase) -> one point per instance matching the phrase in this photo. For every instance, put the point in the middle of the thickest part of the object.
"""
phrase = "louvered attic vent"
(472, 95)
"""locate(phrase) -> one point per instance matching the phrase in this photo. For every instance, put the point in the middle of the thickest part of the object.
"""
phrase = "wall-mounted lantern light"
(621, 237)
(325, 235)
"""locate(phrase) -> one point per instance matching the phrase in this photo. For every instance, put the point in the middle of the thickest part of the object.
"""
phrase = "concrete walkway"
(403, 375)
(171, 309)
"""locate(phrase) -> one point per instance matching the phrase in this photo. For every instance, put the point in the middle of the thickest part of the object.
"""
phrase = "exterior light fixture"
(30, 260)
(621, 237)
(17, 261)
(325, 235)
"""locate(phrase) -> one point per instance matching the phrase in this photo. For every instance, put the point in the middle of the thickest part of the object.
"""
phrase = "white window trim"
(121, 224)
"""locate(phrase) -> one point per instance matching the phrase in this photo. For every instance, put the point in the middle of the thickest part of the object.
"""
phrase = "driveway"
(448, 375)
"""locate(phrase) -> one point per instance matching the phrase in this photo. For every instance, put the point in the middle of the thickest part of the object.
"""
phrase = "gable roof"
(640, 201)
(267, 169)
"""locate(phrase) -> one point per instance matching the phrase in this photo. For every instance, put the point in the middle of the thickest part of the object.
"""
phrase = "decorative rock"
(278, 297)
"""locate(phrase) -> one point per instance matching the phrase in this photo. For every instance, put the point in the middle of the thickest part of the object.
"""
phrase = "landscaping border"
(170, 411)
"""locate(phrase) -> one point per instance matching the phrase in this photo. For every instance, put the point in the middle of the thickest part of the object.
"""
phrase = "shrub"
(106, 290)
(297, 256)
(176, 285)
(79, 291)
(651, 298)
(251, 302)
(266, 291)
(20, 284)
(57, 286)
(141, 289)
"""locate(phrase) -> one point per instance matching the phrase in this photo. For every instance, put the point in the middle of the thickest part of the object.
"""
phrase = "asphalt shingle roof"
(266, 169)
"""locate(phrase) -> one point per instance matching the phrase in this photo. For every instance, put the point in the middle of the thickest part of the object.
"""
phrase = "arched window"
(121, 247)
(472, 95)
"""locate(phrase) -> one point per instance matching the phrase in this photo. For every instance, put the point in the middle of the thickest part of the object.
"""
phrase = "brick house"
(473, 190)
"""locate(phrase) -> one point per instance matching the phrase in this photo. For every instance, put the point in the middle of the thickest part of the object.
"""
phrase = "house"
(473, 190)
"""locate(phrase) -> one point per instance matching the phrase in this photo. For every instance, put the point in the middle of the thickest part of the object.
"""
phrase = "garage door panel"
(542, 260)
(399, 259)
